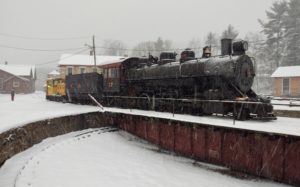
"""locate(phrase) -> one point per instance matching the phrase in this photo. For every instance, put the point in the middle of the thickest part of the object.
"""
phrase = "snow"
(287, 71)
(286, 105)
(87, 60)
(95, 157)
(34, 107)
(19, 70)
(54, 72)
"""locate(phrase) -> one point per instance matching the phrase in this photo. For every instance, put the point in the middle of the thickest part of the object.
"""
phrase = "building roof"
(287, 71)
(19, 70)
(87, 60)
(54, 72)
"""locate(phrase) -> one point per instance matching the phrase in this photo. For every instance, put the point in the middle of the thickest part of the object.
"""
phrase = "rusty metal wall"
(267, 155)
(291, 162)
(166, 136)
(183, 140)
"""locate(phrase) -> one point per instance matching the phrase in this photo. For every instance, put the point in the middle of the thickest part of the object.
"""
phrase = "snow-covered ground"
(283, 105)
(95, 157)
(34, 107)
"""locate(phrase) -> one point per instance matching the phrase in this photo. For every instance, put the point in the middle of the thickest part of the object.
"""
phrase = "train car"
(55, 90)
(79, 86)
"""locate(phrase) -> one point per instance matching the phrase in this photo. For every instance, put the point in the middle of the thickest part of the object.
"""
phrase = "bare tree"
(212, 40)
(195, 45)
(152, 47)
(114, 48)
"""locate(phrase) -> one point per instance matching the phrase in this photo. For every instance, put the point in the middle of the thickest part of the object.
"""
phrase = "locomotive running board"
(98, 104)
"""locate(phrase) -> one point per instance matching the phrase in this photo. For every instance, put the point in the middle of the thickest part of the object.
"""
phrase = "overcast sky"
(130, 21)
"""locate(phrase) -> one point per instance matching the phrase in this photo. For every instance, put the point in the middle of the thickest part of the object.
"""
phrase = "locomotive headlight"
(245, 45)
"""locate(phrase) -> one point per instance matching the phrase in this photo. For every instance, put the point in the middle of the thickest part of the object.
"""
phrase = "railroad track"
(34, 161)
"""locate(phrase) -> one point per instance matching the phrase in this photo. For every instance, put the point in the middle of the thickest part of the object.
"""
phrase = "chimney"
(226, 46)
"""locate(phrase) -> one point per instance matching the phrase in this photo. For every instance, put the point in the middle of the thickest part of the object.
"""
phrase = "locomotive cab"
(166, 57)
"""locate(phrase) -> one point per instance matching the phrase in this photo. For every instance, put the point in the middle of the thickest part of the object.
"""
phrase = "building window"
(16, 84)
(109, 73)
(82, 70)
(69, 70)
(104, 73)
(1, 84)
(286, 86)
(113, 73)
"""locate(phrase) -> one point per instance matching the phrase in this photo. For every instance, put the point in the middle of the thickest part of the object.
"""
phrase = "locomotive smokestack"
(226, 46)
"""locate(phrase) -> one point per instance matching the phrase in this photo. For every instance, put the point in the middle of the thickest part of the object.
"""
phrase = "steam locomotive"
(202, 86)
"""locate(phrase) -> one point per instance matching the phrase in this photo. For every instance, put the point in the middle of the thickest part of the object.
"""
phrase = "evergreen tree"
(230, 32)
(259, 50)
(292, 25)
(274, 30)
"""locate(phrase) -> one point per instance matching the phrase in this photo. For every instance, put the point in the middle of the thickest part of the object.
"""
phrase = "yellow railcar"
(56, 89)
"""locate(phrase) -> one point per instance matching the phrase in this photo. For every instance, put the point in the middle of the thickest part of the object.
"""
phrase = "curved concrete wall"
(19, 139)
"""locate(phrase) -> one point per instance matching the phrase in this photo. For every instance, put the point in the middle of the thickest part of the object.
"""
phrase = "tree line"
(118, 48)
(278, 43)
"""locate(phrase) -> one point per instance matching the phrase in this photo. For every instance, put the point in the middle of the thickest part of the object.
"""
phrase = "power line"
(40, 38)
(114, 48)
(41, 50)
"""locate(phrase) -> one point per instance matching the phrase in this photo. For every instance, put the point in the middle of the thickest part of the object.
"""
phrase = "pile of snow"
(97, 158)
(287, 71)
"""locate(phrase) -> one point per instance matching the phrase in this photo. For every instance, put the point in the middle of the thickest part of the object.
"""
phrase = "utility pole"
(94, 52)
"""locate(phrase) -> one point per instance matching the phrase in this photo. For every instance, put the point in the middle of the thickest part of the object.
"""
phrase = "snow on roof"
(87, 60)
(22, 78)
(287, 71)
(54, 72)
(19, 70)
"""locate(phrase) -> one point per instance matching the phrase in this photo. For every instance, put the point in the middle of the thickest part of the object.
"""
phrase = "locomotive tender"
(219, 84)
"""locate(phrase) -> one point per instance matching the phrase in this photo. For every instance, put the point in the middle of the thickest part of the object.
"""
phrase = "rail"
(237, 112)
(192, 100)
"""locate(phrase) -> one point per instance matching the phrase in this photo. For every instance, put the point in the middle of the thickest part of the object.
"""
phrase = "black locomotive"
(208, 85)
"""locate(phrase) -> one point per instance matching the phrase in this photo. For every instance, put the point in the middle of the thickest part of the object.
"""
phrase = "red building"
(17, 77)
